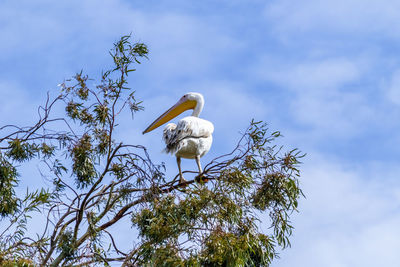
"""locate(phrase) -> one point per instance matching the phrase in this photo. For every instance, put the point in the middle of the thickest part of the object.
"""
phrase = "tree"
(211, 220)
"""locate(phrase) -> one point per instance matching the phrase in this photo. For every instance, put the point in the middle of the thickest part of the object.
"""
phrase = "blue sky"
(324, 73)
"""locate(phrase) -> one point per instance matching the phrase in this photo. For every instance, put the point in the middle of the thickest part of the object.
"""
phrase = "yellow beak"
(171, 113)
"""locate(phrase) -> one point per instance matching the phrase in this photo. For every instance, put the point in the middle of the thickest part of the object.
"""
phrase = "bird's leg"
(200, 177)
(178, 160)
(199, 164)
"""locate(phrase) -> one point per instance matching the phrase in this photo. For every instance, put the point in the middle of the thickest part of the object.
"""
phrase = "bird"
(191, 138)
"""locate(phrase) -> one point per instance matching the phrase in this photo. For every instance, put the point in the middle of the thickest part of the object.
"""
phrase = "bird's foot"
(182, 182)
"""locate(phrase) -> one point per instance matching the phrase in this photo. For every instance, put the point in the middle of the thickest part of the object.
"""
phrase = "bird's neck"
(199, 107)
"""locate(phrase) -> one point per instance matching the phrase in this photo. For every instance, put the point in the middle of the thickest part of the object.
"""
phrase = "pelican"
(192, 137)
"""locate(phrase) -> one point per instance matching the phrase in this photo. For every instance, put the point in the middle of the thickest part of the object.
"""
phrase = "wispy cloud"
(323, 94)
(393, 90)
(319, 75)
(373, 19)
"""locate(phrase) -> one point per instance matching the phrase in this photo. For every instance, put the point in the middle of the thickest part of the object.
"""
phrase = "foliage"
(212, 220)
(15, 262)
(8, 179)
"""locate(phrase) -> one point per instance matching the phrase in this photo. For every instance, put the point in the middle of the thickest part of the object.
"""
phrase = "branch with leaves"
(213, 219)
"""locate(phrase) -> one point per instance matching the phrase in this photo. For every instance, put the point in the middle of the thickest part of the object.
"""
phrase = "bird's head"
(187, 101)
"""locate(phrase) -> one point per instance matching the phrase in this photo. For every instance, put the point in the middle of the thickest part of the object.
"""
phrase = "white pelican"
(192, 137)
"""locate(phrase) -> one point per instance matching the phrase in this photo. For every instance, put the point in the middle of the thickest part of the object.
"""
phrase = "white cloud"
(41, 24)
(322, 94)
(312, 75)
(356, 17)
(349, 218)
(182, 46)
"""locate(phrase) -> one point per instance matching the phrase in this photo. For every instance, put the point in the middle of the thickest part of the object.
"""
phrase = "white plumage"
(191, 137)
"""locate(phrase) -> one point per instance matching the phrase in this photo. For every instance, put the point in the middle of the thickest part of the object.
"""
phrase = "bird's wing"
(187, 127)
(169, 132)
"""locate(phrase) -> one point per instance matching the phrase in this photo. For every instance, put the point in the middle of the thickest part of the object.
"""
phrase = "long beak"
(171, 113)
